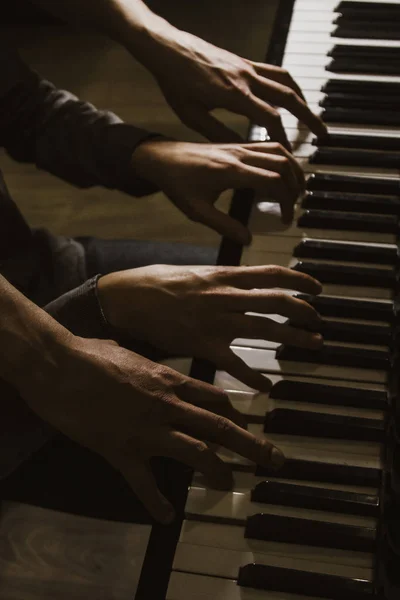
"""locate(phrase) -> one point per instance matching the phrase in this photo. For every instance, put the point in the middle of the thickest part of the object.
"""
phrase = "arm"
(117, 403)
(194, 76)
(62, 135)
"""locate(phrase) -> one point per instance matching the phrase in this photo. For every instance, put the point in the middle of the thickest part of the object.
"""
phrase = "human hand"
(197, 77)
(129, 409)
(193, 176)
(198, 311)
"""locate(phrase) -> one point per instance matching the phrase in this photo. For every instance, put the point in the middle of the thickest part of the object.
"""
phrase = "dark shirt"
(86, 147)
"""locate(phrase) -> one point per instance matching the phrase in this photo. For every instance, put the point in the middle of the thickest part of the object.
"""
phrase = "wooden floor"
(50, 555)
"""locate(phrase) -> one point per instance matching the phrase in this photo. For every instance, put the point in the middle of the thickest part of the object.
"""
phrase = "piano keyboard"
(324, 526)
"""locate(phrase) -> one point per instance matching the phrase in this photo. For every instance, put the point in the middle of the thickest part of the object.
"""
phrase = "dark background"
(23, 12)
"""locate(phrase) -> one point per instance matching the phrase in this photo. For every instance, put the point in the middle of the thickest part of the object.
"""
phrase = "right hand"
(193, 176)
(129, 409)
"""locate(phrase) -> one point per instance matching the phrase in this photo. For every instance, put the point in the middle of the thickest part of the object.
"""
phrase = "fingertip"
(166, 515)
(277, 459)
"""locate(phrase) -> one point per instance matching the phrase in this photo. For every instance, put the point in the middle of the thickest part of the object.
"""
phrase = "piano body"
(327, 524)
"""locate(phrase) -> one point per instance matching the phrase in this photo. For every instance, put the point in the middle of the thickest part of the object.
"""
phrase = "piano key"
(360, 116)
(225, 564)
(266, 223)
(230, 537)
(361, 87)
(321, 498)
(339, 356)
(288, 580)
(346, 251)
(372, 310)
(356, 332)
(205, 504)
(365, 142)
(351, 51)
(346, 100)
(378, 30)
(311, 423)
(367, 185)
(346, 221)
(264, 526)
(360, 65)
(361, 203)
(344, 275)
(259, 406)
(334, 276)
(287, 389)
(265, 361)
(340, 156)
(312, 469)
(332, 393)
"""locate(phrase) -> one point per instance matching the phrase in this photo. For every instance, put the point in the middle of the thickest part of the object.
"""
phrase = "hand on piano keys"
(193, 176)
(198, 311)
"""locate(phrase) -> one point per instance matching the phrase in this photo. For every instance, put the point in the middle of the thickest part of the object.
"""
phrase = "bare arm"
(194, 76)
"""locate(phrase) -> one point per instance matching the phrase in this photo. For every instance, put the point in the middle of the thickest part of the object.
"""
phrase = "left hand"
(198, 311)
(196, 77)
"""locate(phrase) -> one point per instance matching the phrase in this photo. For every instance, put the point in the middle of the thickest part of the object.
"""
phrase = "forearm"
(129, 22)
(30, 340)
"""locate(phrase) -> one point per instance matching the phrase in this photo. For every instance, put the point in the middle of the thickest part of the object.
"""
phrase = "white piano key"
(316, 37)
(230, 537)
(183, 586)
(207, 504)
(226, 563)
(182, 365)
(266, 362)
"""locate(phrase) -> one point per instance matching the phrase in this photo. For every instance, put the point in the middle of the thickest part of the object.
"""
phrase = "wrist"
(147, 39)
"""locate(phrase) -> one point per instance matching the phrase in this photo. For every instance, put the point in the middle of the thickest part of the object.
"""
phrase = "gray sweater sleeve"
(63, 135)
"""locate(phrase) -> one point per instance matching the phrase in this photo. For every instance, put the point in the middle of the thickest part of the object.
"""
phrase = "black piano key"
(367, 88)
(290, 530)
(314, 424)
(379, 30)
(362, 142)
(361, 203)
(348, 275)
(318, 498)
(348, 100)
(355, 333)
(341, 356)
(389, 573)
(342, 251)
(291, 581)
(360, 185)
(318, 393)
(375, 8)
(359, 116)
(347, 221)
(312, 470)
(368, 310)
(362, 66)
(356, 158)
(351, 51)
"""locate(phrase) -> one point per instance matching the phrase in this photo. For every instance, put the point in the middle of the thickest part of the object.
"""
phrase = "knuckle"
(224, 426)
(277, 147)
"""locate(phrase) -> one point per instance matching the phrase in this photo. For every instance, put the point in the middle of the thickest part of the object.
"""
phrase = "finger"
(262, 328)
(140, 478)
(278, 303)
(204, 425)
(278, 163)
(210, 398)
(268, 183)
(288, 97)
(200, 120)
(275, 148)
(264, 114)
(268, 276)
(223, 224)
(196, 454)
(280, 75)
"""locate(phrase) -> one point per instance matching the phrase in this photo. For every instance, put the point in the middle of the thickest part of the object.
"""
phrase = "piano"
(327, 525)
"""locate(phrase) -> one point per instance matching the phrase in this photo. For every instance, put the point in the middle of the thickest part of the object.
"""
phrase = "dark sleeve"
(63, 135)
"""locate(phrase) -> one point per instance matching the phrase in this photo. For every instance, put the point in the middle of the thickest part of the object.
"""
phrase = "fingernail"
(168, 516)
(318, 339)
(277, 459)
